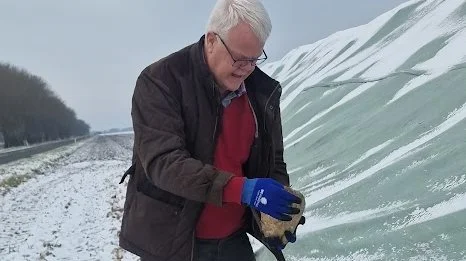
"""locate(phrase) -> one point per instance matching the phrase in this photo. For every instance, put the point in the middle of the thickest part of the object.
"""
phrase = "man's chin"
(234, 86)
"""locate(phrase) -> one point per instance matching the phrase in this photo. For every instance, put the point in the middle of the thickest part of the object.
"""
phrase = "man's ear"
(210, 39)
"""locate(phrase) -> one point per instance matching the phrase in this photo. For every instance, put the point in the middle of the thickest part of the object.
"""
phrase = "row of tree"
(30, 112)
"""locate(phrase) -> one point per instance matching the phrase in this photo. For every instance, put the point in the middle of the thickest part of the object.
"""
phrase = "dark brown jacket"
(176, 113)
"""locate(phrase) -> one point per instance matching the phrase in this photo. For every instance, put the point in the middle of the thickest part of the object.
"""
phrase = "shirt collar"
(232, 95)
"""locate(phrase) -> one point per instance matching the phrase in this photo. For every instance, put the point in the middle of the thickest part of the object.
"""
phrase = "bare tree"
(30, 111)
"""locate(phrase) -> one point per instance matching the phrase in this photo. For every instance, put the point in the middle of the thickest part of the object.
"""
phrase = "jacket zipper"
(215, 127)
(217, 111)
(255, 119)
(192, 246)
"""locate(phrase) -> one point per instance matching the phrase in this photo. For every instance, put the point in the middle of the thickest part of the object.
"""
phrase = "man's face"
(240, 44)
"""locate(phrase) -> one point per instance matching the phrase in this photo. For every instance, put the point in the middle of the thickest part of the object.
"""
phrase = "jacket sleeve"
(280, 174)
(161, 146)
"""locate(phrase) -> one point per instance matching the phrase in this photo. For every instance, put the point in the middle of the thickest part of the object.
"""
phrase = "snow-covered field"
(36, 164)
(71, 205)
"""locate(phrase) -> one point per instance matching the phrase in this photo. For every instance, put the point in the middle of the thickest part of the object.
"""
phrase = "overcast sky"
(90, 52)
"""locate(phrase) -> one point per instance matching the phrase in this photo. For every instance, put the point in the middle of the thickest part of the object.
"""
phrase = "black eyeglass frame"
(243, 62)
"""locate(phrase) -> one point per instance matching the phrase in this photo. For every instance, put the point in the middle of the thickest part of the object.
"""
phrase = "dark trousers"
(233, 248)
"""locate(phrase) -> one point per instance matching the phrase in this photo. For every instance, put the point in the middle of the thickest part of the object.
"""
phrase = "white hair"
(229, 13)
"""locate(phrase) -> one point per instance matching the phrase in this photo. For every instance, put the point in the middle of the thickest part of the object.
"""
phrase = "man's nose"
(248, 67)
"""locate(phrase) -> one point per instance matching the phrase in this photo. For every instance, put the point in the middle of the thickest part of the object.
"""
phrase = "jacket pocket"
(152, 225)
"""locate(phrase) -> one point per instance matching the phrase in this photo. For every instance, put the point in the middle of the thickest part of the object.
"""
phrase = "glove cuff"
(248, 189)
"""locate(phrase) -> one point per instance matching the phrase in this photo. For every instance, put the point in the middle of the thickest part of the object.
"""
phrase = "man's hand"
(269, 197)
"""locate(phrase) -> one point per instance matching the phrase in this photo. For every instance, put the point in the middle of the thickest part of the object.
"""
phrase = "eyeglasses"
(238, 63)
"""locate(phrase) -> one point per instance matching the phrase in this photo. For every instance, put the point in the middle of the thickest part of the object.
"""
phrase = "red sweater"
(231, 152)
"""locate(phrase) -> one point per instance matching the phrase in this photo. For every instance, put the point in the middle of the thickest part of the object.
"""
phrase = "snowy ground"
(38, 164)
(70, 206)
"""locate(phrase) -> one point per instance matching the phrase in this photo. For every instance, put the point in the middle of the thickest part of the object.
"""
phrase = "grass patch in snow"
(14, 181)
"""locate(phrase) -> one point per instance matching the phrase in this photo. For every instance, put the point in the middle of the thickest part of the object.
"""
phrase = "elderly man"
(208, 146)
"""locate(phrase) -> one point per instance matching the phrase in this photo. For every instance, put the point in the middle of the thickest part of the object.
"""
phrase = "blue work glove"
(269, 197)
